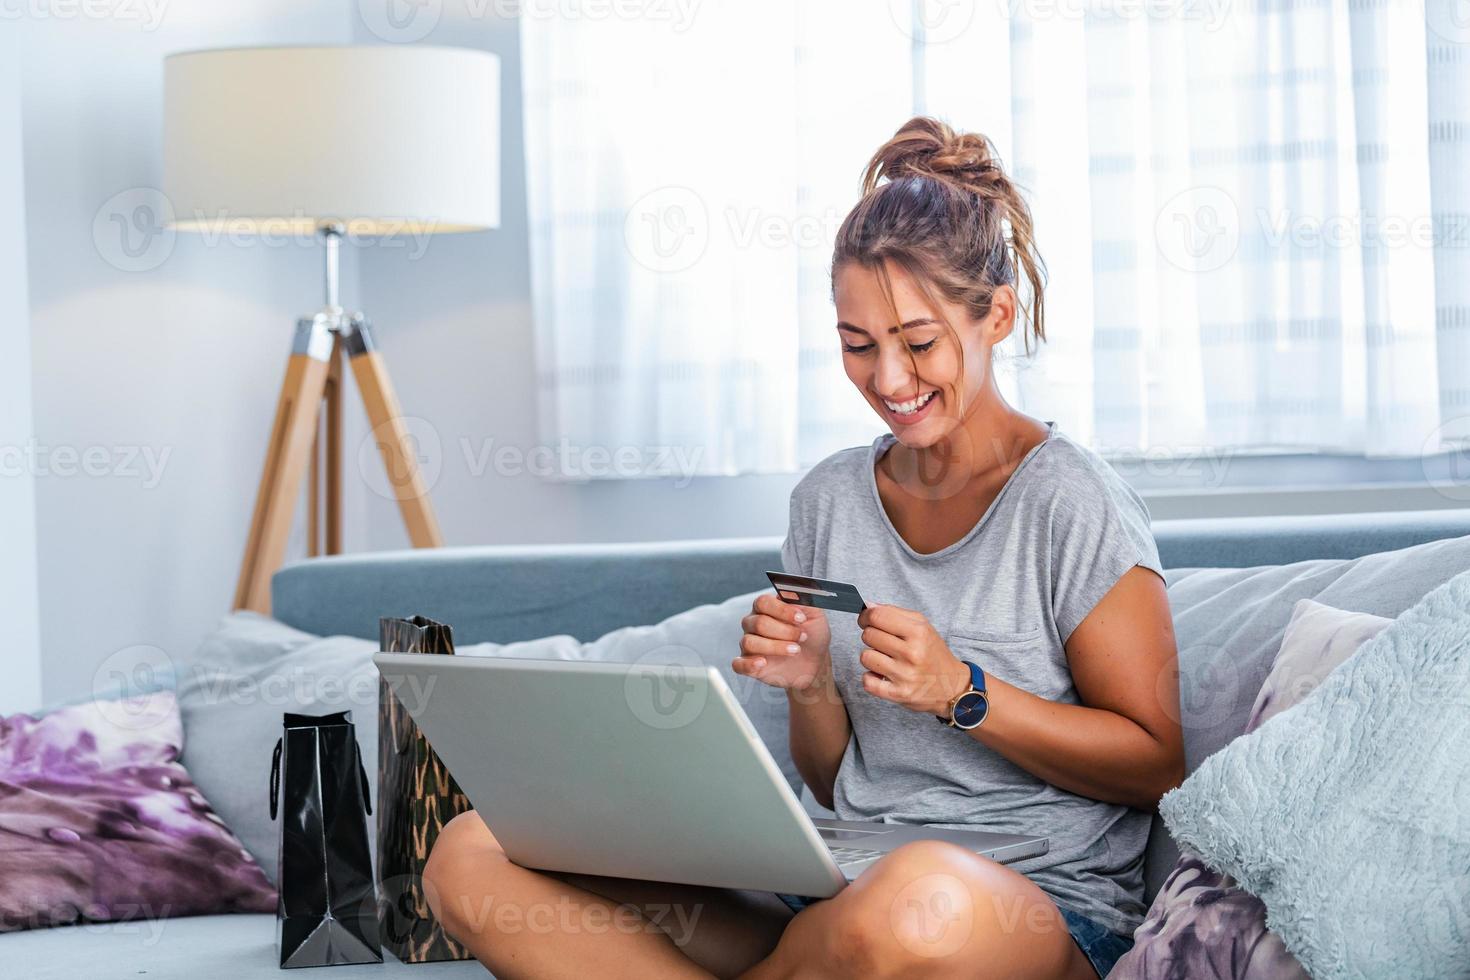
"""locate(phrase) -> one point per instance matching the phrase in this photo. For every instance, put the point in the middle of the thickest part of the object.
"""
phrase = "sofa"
(511, 593)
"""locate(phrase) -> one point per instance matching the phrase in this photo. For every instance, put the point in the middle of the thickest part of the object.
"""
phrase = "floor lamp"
(336, 142)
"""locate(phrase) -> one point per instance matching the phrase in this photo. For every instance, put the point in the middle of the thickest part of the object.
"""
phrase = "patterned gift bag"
(416, 797)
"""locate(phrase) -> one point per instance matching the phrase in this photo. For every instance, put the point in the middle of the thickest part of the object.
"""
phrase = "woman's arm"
(1122, 744)
(820, 730)
(788, 647)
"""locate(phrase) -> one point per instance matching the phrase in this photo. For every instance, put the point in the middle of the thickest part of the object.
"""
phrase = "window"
(1255, 218)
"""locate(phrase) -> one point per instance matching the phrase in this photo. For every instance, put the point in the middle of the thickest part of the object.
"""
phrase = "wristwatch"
(968, 708)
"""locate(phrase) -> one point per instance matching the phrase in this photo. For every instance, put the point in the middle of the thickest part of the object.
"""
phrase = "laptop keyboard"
(849, 857)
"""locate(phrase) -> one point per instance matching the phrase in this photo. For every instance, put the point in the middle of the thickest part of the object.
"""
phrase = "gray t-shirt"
(1059, 535)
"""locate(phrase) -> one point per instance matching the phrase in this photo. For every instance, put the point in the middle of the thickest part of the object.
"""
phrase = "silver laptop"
(638, 771)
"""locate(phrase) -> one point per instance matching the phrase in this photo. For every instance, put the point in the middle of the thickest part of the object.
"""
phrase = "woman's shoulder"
(1078, 482)
(1087, 499)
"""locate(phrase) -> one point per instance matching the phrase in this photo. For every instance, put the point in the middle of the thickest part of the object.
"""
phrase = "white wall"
(166, 364)
(20, 658)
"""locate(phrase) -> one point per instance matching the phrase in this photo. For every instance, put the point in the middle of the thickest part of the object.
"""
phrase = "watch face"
(970, 709)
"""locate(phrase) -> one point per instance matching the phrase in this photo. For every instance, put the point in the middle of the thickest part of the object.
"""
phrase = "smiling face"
(921, 399)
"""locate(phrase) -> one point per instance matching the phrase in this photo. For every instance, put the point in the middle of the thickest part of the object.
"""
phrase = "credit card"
(818, 592)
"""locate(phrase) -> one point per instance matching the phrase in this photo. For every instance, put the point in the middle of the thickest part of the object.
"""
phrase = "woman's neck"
(991, 437)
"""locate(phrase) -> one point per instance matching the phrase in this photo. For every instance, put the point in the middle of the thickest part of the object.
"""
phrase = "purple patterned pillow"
(100, 823)
(1202, 924)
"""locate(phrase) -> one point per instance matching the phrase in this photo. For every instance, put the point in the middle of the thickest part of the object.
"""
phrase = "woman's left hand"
(907, 661)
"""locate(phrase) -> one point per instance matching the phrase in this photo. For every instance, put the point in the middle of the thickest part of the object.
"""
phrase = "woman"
(1012, 559)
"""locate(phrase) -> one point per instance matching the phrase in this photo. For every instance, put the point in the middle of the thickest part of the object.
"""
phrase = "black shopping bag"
(327, 913)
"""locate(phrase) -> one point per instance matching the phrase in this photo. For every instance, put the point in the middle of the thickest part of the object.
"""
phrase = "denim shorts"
(1102, 947)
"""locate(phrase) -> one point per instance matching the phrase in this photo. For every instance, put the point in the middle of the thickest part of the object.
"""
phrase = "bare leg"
(524, 923)
(930, 909)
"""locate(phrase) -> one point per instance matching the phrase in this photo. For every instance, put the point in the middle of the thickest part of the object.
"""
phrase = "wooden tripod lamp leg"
(394, 441)
(293, 435)
(324, 479)
(333, 451)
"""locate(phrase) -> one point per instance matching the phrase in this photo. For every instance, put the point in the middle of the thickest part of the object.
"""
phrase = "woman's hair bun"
(940, 202)
(926, 147)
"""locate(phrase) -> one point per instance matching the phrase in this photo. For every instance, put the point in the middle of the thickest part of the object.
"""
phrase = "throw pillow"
(1202, 923)
(99, 822)
(1349, 815)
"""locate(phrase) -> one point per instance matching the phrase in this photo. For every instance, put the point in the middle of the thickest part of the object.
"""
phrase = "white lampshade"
(381, 139)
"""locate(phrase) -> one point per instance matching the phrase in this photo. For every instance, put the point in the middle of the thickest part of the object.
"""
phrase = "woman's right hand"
(784, 645)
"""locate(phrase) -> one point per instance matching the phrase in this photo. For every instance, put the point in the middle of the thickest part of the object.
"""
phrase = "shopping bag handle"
(367, 800)
(276, 777)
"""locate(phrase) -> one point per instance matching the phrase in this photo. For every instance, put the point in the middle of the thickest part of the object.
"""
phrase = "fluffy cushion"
(1229, 622)
(1369, 774)
(100, 823)
(1202, 923)
(252, 668)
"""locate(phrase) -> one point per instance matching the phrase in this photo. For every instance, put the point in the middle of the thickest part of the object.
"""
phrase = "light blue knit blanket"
(1349, 814)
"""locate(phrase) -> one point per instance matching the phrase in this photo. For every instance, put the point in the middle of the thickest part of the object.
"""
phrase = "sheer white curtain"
(657, 144)
(1254, 216)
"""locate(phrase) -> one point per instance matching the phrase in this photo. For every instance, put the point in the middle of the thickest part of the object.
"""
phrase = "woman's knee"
(463, 856)
(907, 909)
(928, 906)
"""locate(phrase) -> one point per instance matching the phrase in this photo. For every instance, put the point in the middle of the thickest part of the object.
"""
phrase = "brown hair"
(937, 204)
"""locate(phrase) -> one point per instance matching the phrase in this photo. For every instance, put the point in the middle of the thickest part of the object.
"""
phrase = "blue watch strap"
(977, 676)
